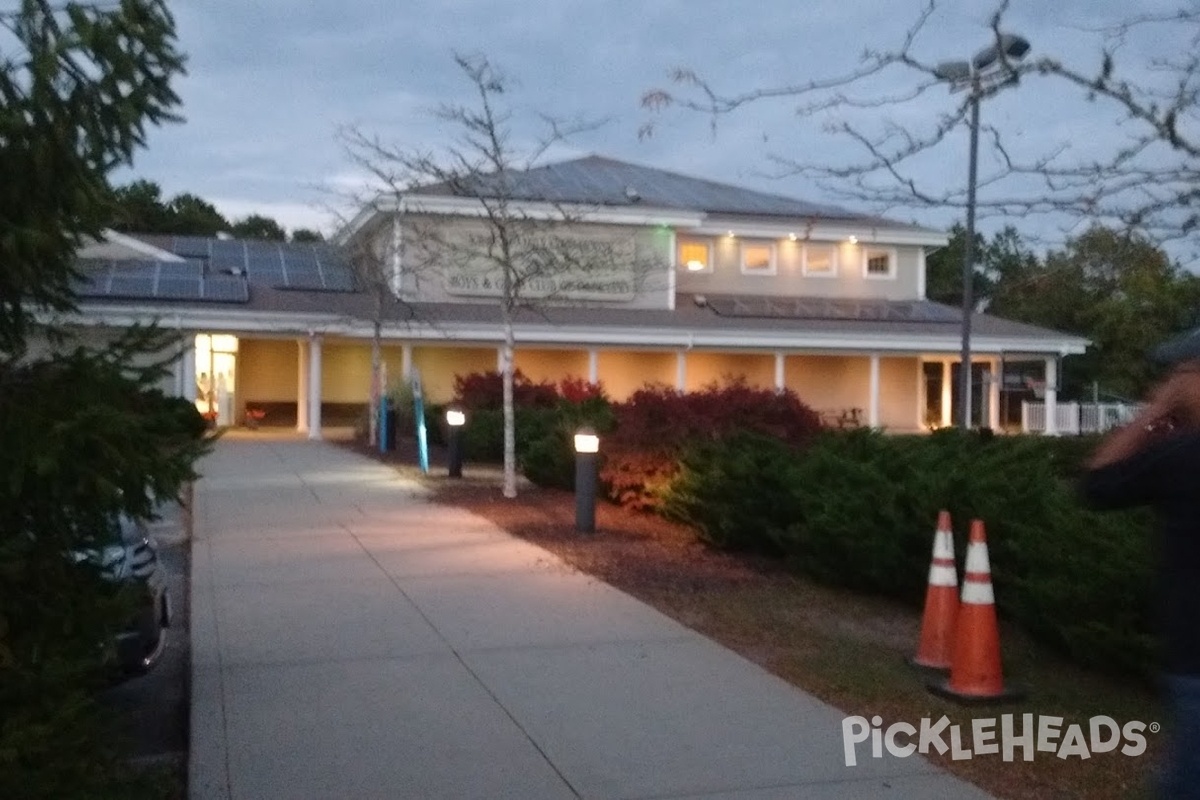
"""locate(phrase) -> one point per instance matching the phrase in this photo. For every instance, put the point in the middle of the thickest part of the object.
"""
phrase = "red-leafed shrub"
(656, 423)
(577, 390)
(485, 390)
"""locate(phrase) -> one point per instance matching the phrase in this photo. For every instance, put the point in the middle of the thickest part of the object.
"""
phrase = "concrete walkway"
(353, 640)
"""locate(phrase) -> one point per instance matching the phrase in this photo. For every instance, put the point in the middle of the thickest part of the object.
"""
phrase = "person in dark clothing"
(1155, 461)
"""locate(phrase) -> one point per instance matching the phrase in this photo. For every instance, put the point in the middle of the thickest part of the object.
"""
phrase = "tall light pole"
(991, 67)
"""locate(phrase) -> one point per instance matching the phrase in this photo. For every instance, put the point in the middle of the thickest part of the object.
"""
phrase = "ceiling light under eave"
(853, 240)
(792, 237)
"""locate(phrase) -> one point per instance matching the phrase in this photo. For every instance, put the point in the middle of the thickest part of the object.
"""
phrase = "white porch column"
(873, 400)
(314, 387)
(947, 394)
(681, 371)
(500, 359)
(994, 396)
(187, 368)
(780, 374)
(672, 270)
(406, 360)
(593, 367)
(302, 386)
(1052, 396)
(397, 247)
(922, 396)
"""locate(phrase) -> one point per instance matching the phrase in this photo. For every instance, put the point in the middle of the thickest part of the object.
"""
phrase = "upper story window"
(820, 260)
(695, 256)
(879, 262)
(758, 258)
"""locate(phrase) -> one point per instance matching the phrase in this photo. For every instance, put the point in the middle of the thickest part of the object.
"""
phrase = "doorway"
(216, 376)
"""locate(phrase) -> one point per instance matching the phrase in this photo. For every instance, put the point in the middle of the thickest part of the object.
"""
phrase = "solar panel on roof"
(226, 254)
(225, 289)
(191, 246)
(831, 308)
(178, 289)
(339, 280)
(170, 269)
(131, 286)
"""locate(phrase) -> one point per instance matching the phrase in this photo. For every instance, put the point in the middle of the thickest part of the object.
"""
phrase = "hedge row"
(752, 470)
(858, 509)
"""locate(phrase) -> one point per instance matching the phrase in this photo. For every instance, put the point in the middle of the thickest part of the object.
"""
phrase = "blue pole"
(419, 411)
(381, 425)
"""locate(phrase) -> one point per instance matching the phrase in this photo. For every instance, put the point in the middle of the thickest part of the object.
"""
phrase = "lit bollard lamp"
(456, 418)
(587, 445)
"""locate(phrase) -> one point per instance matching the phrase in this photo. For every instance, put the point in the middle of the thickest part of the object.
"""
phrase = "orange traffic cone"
(975, 672)
(941, 601)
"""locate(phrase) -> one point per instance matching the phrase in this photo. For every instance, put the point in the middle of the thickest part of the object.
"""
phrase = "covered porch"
(316, 380)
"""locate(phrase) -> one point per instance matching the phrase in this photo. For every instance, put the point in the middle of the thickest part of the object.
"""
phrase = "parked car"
(131, 557)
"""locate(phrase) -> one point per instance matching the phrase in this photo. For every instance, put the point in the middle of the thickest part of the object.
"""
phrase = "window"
(695, 256)
(820, 260)
(758, 259)
(879, 262)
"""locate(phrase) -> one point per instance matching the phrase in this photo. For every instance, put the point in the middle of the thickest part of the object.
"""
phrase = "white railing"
(1076, 418)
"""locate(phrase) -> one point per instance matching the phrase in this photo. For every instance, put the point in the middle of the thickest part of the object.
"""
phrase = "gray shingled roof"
(596, 180)
(921, 318)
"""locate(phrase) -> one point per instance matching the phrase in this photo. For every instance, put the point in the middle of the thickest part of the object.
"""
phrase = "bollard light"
(587, 445)
(587, 442)
(456, 418)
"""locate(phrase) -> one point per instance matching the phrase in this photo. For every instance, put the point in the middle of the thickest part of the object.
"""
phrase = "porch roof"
(770, 322)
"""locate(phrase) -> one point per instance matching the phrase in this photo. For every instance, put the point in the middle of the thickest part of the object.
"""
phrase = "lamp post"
(990, 68)
(455, 418)
(587, 444)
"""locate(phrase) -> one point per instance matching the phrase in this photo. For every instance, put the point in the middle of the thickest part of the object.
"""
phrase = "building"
(663, 278)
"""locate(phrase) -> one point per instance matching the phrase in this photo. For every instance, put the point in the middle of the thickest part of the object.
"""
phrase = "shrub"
(546, 417)
(485, 390)
(402, 401)
(656, 424)
(736, 492)
(483, 435)
(857, 509)
(548, 458)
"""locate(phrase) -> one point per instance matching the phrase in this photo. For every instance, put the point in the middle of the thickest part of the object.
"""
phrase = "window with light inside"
(695, 257)
(758, 259)
(820, 259)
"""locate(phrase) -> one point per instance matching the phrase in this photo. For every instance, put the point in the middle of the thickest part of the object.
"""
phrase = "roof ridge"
(684, 176)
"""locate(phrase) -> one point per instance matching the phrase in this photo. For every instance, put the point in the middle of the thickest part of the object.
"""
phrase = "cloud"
(270, 82)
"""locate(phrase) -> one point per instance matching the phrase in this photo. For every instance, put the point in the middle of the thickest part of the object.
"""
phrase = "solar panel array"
(159, 280)
(833, 308)
(281, 265)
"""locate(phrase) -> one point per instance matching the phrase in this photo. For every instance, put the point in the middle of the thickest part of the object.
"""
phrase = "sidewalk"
(352, 640)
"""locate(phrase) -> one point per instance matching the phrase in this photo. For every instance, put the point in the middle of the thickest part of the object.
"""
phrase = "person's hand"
(1177, 398)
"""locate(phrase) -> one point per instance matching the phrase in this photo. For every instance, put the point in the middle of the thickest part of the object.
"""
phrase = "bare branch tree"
(506, 243)
(1149, 179)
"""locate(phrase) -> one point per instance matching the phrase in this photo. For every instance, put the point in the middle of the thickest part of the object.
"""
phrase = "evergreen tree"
(86, 434)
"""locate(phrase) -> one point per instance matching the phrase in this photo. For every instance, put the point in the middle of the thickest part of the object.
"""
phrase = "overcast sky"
(270, 81)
